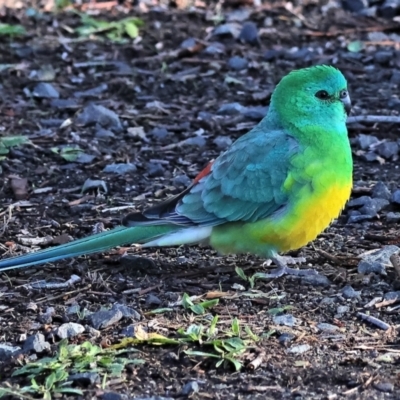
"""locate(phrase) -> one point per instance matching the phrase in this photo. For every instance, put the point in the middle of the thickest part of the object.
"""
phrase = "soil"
(168, 99)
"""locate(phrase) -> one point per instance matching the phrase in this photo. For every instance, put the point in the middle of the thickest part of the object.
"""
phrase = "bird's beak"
(347, 104)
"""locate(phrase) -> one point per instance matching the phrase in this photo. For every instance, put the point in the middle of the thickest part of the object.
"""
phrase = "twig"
(393, 119)
(374, 321)
(256, 362)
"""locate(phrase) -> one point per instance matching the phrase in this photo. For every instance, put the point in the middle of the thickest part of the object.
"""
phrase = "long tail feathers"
(118, 236)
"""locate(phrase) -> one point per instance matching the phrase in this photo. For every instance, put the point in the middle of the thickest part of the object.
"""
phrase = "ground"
(168, 123)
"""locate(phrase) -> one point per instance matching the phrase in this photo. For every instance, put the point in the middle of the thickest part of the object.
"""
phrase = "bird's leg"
(283, 269)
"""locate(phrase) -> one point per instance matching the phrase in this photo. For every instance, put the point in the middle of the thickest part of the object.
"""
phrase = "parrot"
(275, 189)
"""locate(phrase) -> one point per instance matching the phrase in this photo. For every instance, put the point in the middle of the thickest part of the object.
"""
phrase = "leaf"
(200, 353)
(12, 141)
(159, 311)
(252, 335)
(239, 271)
(236, 326)
(186, 302)
(197, 309)
(12, 30)
(209, 303)
(131, 29)
(355, 46)
(68, 153)
(236, 363)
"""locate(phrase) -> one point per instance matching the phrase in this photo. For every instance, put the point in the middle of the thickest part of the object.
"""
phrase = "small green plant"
(199, 308)
(50, 375)
(7, 142)
(114, 31)
(12, 30)
(68, 153)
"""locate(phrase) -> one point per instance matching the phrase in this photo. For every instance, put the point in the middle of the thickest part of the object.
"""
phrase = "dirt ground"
(167, 91)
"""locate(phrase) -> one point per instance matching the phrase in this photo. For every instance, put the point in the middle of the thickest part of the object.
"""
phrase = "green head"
(312, 96)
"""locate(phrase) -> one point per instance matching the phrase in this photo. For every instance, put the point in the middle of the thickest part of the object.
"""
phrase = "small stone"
(85, 378)
(370, 206)
(365, 141)
(342, 310)
(369, 267)
(370, 261)
(230, 29)
(181, 181)
(120, 169)
(383, 57)
(7, 351)
(393, 217)
(188, 43)
(354, 5)
(45, 90)
(381, 191)
(190, 387)
(370, 156)
(222, 142)
(388, 149)
(36, 343)
(69, 329)
(152, 299)
(103, 319)
(230, 109)
(299, 349)
(392, 295)
(197, 141)
(395, 79)
(325, 327)
(349, 293)
(102, 133)
(389, 9)
(385, 387)
(126, 311)
(97, 114)
(315, 280)
(285, 319)
(286, 338)
(237, 63)
(160, 133)
(214, 48)
(271, 55)
(255, 113)
(249, 33)
(155, 169)
(396, 197)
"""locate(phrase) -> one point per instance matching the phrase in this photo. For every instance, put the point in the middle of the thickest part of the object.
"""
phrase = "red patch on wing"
(204, 172)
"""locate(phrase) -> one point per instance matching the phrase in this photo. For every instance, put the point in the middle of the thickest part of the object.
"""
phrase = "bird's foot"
(285, 260)
(283, 269)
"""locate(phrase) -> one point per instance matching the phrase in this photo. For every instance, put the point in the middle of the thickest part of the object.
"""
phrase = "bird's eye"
(322, 95)
(343, 94)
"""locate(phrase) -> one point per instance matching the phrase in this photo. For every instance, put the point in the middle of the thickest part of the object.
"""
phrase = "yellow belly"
(296, 226)
(304, 222)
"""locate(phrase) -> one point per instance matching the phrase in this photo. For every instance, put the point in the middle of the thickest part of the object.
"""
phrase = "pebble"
(272, 54)
(215, 48)
(197, 140)
(222, 142)
(237, 63)
(120, 168)
(388, 149)
(103, 319)
(285, 319)
(114, 396)
(69, 329)
(160, 133)
(286, 338)
(354, 5)
(233, 29)
(393, 216)
(342, 310)
(365, 141)
(188, 43)
(316, 280)
(383, 57)
(349, 293)
(127, 312)
(392, 295)
(381, 191)
(396, 197)
(325, 327)
(370, 206)
(189, 388)
(249, 33)
(97, 114)
(299, 349)
(36, 343)
(181, 181)
(384, 387)
(377, 261)
(155, 169)
(395, 79)
(231, 109)
(152, 299)
(85, 378)
(45, 90)
(6, 351)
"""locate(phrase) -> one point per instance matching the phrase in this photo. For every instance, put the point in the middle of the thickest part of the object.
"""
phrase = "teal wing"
(245, 183)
